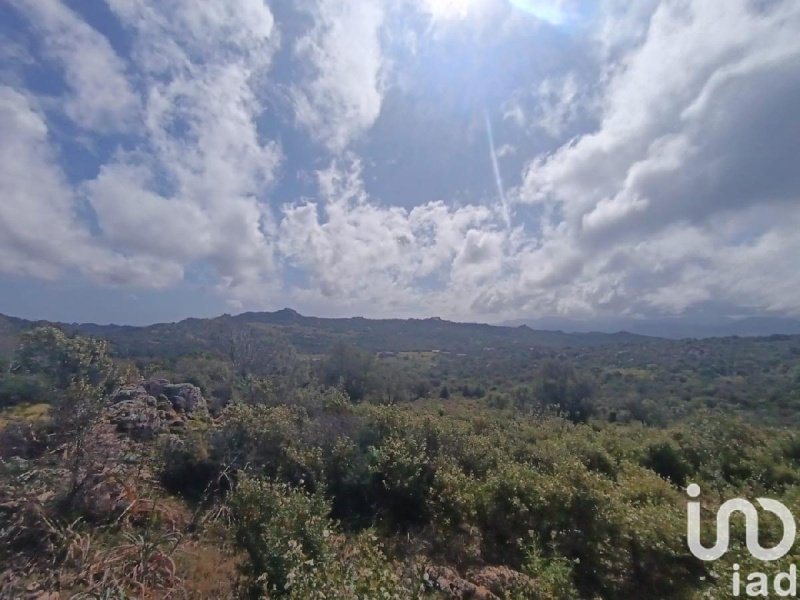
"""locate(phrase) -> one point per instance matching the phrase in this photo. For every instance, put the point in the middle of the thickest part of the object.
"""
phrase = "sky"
(470, 159)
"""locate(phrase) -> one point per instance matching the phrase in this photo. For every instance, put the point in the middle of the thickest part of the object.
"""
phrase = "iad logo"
(751, 527)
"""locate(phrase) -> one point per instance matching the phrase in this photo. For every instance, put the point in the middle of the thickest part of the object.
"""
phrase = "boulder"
(155, 387)
(185, 397)
(452, 585)
(136, 417)
(156, 406)
(500, 580)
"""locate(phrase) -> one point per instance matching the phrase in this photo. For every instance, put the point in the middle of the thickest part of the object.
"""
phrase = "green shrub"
(553, 573)
(296, 551)
(360, 570)
(401, 479)
(16, 388)
(187, 469)
(665, 460)
(270, 441)
(282, 529)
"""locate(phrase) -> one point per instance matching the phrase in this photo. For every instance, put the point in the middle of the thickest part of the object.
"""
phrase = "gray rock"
(155, 407)
(129, 393)
(133, 416)
(185, 397)
(155, 387)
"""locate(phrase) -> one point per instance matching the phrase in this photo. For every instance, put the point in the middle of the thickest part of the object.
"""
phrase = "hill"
(315, 335)
(706, 326)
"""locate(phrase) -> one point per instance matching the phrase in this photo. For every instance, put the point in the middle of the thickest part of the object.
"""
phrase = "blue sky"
(471, 159)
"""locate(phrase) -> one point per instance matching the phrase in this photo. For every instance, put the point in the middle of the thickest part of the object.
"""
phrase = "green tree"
(561, 386)
(66, 360)
(350, 368)
(80, 375)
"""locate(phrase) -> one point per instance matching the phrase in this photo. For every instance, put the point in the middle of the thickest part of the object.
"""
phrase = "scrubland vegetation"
(543, 472)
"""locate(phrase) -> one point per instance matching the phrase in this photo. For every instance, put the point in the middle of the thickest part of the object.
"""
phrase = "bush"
(270, 441)
(16, 388)
(666, 461)
(187, 469)
(281, 529)
(401, 479)
(562, 387)
(360, 570)
(553, 573)
(296, 551)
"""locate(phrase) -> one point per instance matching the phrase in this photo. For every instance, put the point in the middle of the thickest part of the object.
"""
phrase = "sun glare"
(556, 12)
(450, 9)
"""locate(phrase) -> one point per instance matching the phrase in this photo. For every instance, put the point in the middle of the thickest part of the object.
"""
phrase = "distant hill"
(10, 328)
(313, 335)
(677, 328)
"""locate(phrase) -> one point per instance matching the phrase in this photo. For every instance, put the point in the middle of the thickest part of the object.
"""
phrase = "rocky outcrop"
(184, 397)
(485, 583)
(155, 406)
(452, 585)
(500, 580)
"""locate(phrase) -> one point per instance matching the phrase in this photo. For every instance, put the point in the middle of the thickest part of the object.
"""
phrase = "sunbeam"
(496, 169)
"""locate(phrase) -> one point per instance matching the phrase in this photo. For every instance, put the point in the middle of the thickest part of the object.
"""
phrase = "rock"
(155, 387)
(449, 582)
(500, 580)
(129, 393)
(146, 410)
(135, 417)
(185, 397)
(163, 403)
(102, 498)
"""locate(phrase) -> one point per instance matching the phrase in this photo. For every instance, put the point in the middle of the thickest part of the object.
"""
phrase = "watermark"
(755, 584)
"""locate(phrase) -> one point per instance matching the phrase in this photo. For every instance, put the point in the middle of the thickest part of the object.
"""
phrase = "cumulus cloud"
(359, 252)
(341, 95)
(40, 232)
(190, 182)
(101, 97)
(195, 190)
(695, 131)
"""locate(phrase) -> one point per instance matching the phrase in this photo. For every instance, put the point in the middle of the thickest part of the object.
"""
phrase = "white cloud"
(101, 98)
(558, 104)
(40, 232)
(553, 106)
(696, 131)
(340, 98)
(196, 190)
(176, 37)
(370, 256)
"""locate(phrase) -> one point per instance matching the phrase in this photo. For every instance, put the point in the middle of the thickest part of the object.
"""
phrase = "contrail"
(496, 168)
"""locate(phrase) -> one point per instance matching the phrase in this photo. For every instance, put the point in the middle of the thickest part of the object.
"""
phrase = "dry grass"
(208, 570)
(27, 413)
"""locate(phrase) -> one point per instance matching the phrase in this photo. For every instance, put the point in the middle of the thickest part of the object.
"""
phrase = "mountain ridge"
(674, 328)
(312, 335)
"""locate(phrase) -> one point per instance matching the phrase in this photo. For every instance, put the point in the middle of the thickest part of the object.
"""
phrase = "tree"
(266, 354)
(67, 360)
(350, 368)
(561, 386)
(79, 375)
